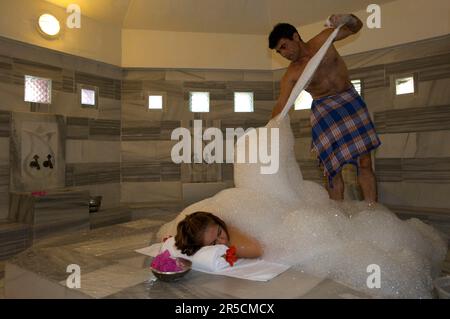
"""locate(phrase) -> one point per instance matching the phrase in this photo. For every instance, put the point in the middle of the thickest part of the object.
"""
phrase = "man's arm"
(352, 25)
(286, 86)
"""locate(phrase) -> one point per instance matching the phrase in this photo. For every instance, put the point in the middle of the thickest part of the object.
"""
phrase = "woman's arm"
(246, 246)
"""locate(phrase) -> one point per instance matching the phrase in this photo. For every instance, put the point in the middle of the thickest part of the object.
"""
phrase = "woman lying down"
(205, 229)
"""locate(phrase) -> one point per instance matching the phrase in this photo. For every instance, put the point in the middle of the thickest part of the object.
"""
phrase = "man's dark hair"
(280, 31)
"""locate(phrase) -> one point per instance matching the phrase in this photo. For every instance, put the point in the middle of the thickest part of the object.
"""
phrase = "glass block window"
(243, 101)
(303, 101)
(155, 102)
(404, 85)
(199, 101)
(88, 97)
(38, 90)
(357, 86)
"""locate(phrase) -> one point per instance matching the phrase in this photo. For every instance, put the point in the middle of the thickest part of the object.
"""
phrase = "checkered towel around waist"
(341, 131)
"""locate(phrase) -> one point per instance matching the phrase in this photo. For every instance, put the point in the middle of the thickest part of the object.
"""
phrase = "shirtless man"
(342, 130)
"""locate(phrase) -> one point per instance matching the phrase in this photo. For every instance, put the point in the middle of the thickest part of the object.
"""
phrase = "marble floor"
(110, 268)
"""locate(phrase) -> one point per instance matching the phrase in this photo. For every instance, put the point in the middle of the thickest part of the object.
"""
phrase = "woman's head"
(200, 229)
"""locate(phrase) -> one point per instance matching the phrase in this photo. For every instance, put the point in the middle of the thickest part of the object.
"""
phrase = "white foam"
(298, 225)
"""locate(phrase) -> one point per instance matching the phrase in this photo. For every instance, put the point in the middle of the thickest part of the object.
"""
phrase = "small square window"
(88, 96)
(155, 102)
(404, 85)
(304, 101)
(357, 85)
(243, 101)
(199, 101)
(38, 90)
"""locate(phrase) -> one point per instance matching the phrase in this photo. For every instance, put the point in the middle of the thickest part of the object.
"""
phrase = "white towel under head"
(207, 258)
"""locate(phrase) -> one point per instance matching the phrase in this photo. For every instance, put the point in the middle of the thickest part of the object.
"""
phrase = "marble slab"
(52, 213)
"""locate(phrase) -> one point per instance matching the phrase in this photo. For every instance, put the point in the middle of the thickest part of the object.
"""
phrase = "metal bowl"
(171, 276)
(94, 203)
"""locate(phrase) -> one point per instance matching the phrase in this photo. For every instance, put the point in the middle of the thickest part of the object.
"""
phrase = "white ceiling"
(213, 16)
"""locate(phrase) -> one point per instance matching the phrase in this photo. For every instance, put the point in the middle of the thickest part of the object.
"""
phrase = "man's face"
(288, 49)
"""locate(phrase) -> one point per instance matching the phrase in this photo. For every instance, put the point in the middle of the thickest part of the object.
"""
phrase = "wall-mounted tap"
(48, 163)
(35, 162)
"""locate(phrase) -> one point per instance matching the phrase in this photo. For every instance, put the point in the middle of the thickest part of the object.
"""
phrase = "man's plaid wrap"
(342, 131)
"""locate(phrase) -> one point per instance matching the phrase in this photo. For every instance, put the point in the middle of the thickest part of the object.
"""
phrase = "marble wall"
(92, 136)
(150, 179)
(122, 149)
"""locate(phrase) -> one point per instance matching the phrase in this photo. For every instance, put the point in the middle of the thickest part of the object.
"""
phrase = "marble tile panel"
(415, 50)
(257, 76)
(92, 173)
(141, 172)
(430, 170)
(14, 238)
(12, 97)
(388, 169)
(433, 144)
(170, 88)
(77, 128)
(132, 90)
(399, 145)
(141, 75)
(201, 173)
(147, 151)
(170, 172)
(263, 91)
(217, 89)
(25, 67)
(109, 109)
(4, 178)
(5, 125)
(227, 172)
(432, 118)
(104, 130)
(32, 53)
(186, 75)
(414, 194)
(148, 192)
(91, 151)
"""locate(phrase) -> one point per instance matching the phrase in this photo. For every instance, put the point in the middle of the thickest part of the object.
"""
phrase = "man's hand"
(351, 24)
(336, 20)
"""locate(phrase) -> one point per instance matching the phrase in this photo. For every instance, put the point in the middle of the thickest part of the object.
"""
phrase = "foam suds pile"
(300, 226)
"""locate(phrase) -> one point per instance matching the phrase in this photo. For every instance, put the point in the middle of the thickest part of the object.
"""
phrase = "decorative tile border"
(431, 118)
(422, 170)
(104, 130)
(92, 173)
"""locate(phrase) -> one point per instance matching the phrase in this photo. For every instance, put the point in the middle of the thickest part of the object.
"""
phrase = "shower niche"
(37, 152)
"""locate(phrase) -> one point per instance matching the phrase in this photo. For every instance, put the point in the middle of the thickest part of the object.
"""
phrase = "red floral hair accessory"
(230, 255)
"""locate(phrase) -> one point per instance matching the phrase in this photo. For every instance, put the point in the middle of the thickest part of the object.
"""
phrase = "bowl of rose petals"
(167, 268)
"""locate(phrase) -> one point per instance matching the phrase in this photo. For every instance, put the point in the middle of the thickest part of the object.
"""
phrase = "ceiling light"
(49, 25)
